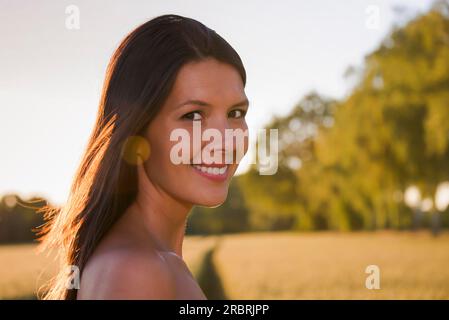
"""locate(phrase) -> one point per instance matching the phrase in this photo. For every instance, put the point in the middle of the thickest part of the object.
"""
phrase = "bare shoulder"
(125, 273)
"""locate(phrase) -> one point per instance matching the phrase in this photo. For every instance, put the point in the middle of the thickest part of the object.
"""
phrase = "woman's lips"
(213, 171)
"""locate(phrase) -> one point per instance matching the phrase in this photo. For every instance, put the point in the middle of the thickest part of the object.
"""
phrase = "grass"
(283, 265)
(23, 271)
(332, 265)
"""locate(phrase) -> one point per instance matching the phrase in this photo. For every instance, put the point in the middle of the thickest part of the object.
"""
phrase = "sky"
(51, 76)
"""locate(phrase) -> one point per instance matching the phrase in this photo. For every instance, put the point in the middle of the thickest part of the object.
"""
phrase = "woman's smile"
(216, 172)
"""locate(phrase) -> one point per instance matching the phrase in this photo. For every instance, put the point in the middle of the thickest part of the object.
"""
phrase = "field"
(332, 266)
(283, 265)
(23, 271)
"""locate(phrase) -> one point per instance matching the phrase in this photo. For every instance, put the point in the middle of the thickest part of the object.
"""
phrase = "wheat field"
(332, 266)
(23, 271)
(284, 265)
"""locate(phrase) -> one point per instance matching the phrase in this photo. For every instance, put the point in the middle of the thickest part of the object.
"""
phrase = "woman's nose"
(221, 137)
(216, 138)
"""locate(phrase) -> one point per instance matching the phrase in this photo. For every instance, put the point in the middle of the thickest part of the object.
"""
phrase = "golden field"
(23, 271)
(285, 265)
(332, 266)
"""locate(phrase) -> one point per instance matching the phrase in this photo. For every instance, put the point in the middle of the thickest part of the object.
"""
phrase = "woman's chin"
(212, 201)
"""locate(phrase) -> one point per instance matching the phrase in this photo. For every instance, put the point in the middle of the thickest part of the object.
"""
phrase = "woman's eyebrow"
(205, 104)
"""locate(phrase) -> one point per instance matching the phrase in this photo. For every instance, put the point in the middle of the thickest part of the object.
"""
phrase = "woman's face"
(217, 101)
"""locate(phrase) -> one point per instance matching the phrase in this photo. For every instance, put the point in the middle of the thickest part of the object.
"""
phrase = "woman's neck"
(164, 224)
(160, 217)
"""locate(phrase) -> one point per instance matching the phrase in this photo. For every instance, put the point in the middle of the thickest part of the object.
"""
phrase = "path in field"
(208, 278)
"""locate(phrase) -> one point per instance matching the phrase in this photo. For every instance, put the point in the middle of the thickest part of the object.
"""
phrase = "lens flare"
(136, 150)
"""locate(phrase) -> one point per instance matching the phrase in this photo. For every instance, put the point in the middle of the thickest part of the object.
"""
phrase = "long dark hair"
(139, 78)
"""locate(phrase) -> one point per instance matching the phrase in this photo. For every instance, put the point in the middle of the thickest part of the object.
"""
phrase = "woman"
(123, 225)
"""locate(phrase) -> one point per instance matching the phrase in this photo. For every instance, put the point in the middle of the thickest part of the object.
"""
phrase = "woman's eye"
(194, 116)
(238, 113)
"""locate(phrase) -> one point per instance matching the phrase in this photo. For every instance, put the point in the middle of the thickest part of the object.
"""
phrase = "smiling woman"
(124, 222)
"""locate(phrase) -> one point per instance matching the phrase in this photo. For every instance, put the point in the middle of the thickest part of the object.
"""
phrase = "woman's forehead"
(207, 81)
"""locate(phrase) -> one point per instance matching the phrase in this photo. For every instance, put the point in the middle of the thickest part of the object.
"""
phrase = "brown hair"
(138, 80)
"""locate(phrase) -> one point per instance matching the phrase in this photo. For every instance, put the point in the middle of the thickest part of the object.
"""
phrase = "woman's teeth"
(211, 170)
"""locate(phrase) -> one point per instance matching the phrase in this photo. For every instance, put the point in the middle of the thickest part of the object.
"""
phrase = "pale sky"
(51, 77)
